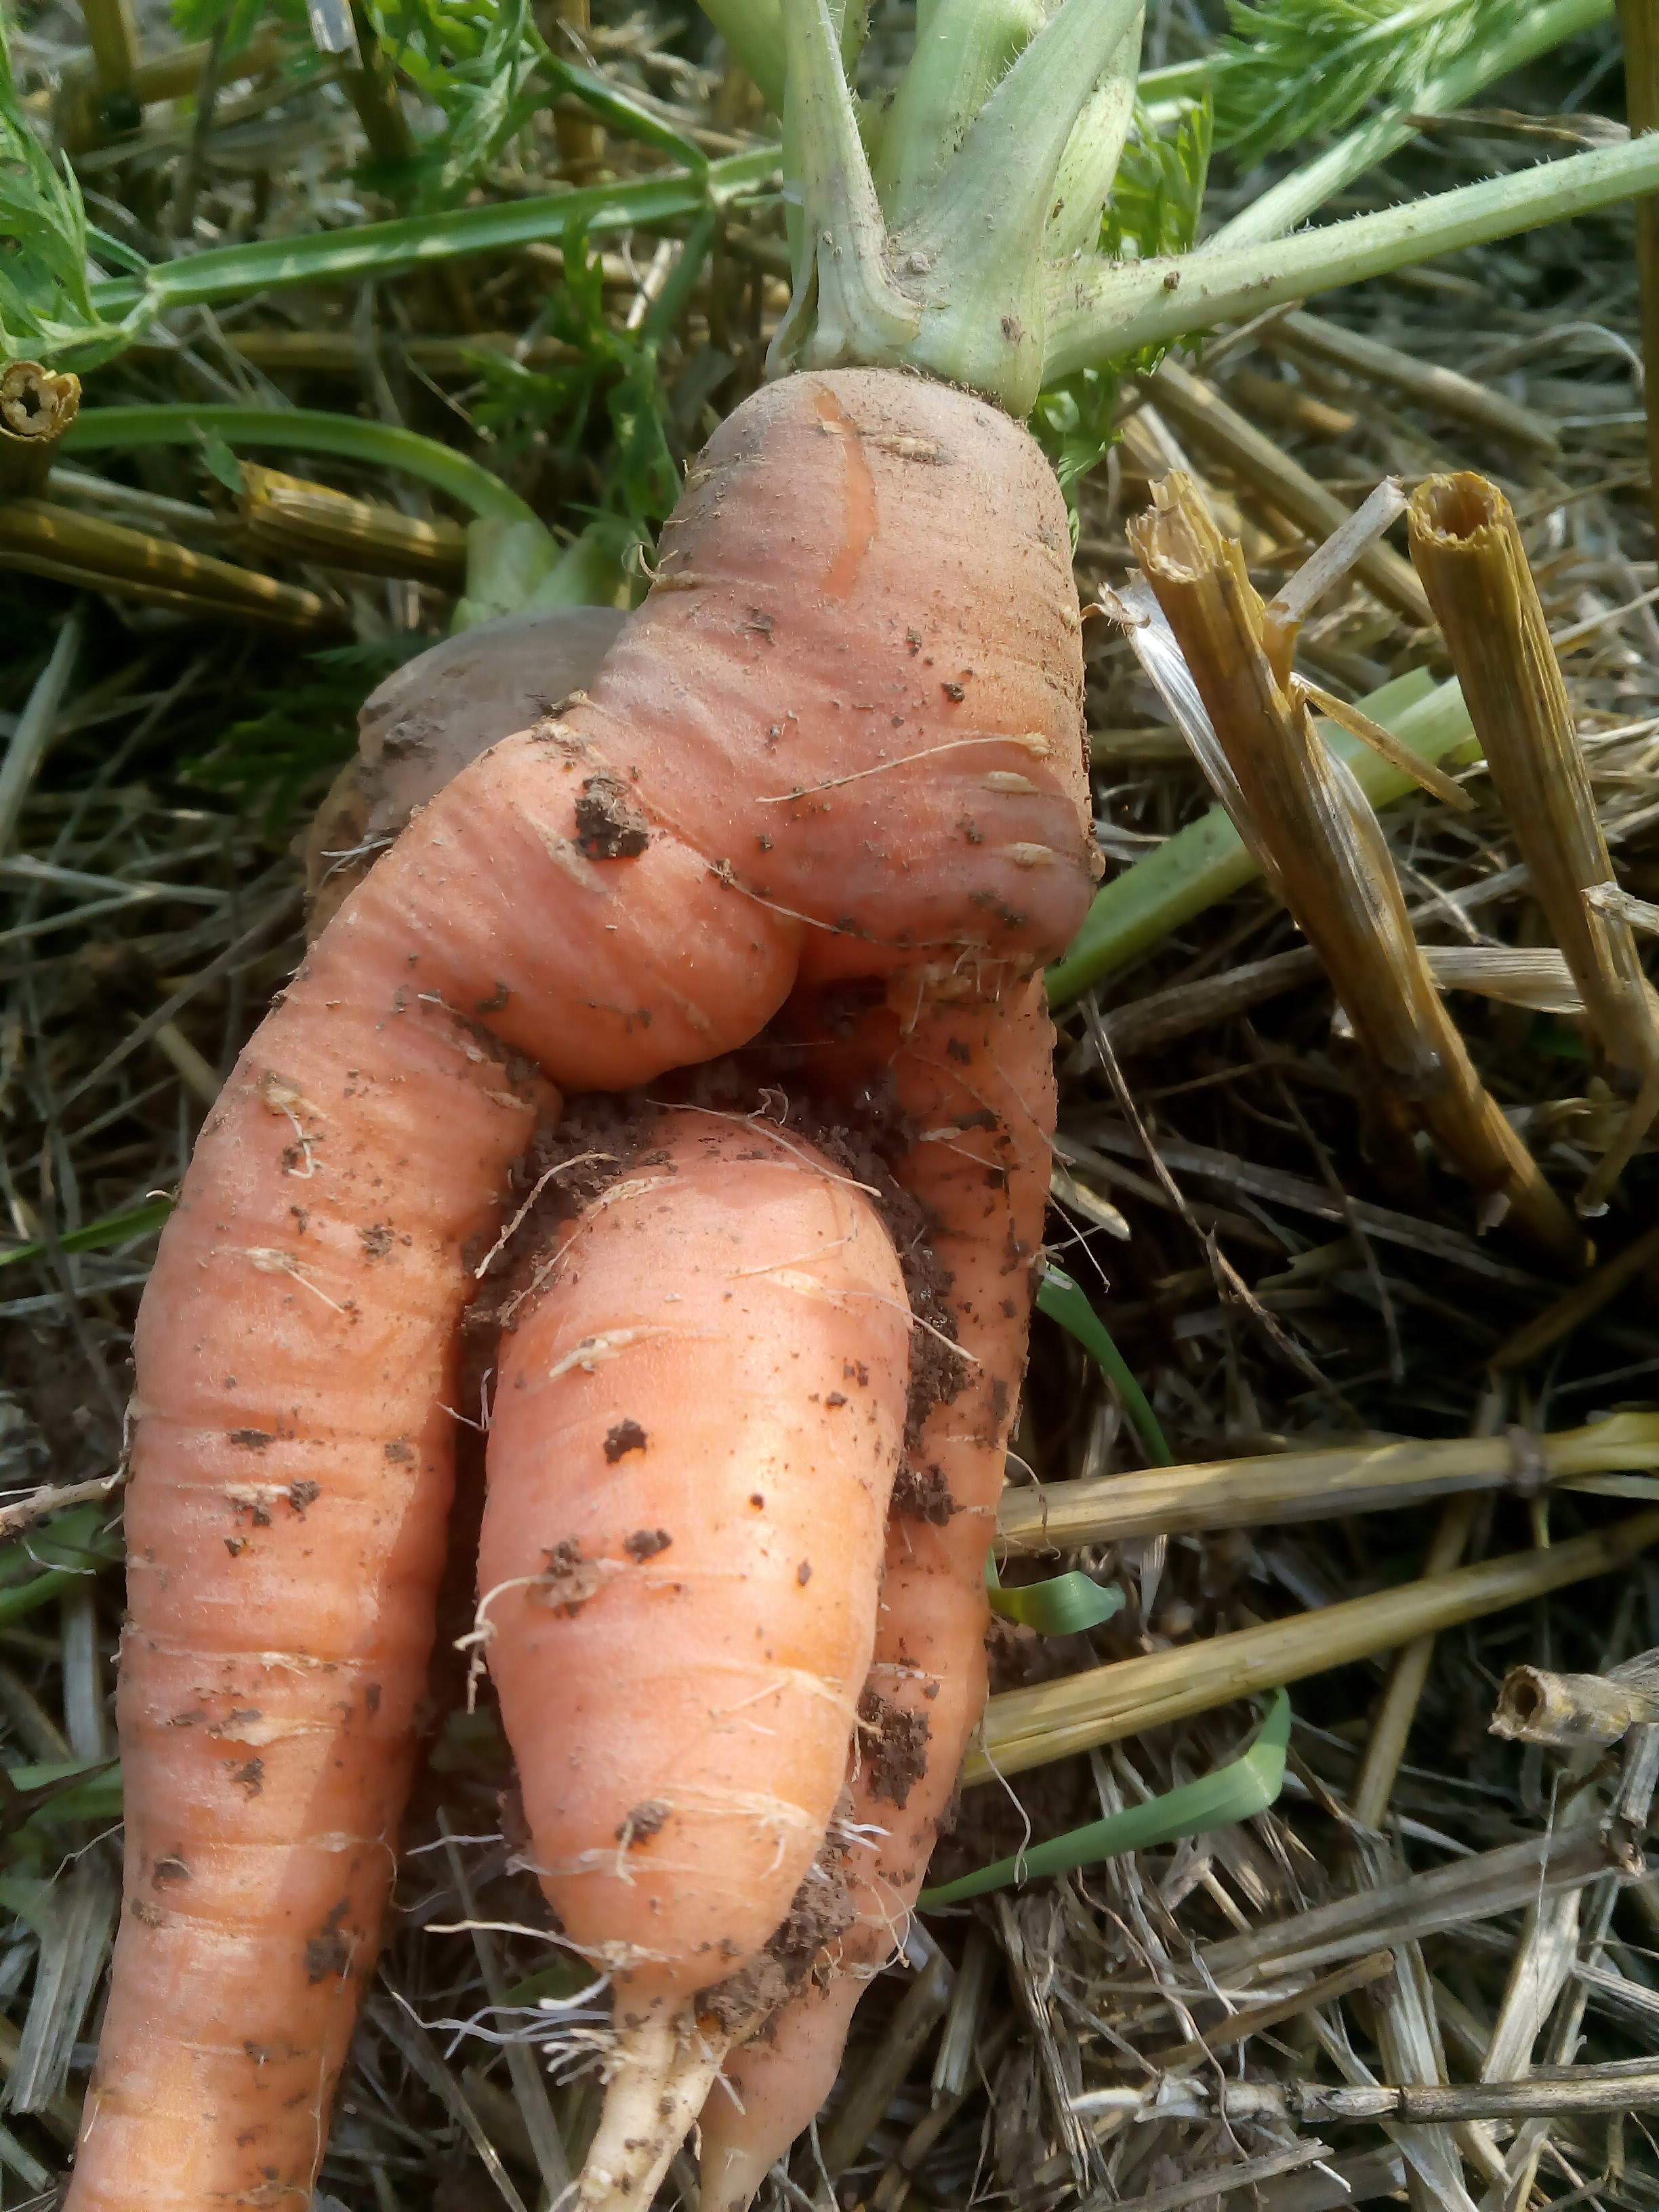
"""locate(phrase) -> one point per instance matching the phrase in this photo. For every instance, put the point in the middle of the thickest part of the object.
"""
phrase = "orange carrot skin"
(369, 1104)
(286, 1521)
(684, 1533)
(985, 1189)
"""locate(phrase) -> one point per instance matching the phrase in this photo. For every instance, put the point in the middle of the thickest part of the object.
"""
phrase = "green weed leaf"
(124, 1228)
(45, 302)
(1064, 1605)
(1158, 193)
(1063, 1301)
(1297, 69)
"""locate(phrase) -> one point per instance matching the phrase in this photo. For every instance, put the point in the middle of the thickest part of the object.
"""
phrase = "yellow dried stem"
(1024, 1728)
(1424, 382)
(37, 405)
(1391, 1722)
(1326, 856)
(1576, 1306)
(114, 38)
(1366, 1477)
(339, 353)
(1566, 1711)
(106, 556)
(1468, 548)
(285, 518)
(173, 75)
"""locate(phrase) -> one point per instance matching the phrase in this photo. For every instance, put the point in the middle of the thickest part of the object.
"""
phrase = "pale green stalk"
(1094, 313)
(753, 32)
(963, 49)
(1084, 184)
(847, 306)
(1535, 31)
(979, 238)
(375, 250)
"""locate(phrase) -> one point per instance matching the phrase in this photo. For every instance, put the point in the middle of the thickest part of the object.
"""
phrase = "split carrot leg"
(977, 1083)
(693, 1445)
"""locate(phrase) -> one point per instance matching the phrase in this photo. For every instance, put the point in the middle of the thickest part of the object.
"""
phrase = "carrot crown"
(957, 230)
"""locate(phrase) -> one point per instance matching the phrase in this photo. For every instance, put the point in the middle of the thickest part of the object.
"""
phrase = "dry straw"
(37, 405)
(1366, 1476)
(1323, 849)
(287, 518)
(1466, 546)
(1024, 1728)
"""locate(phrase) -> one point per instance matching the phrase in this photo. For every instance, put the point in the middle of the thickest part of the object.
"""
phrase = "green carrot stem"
(1099, 313)
(1273, 213)
(375, 250)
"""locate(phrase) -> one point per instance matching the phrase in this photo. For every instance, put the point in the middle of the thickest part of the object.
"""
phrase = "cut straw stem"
(1208, 860)
(1024, 1728)
(1467, 545)
(289, 519)
(37, 406)
(1332, 864)
(1312, 1485)
(45, 540)
(1566, 1711)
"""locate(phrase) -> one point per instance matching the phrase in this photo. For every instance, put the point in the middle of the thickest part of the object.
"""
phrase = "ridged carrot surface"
(842, 740)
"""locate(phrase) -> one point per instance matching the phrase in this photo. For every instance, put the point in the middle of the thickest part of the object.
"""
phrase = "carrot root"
(663, 2067)
(842, 742)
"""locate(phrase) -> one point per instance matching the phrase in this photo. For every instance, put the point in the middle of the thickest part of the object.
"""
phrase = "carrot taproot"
(977, 1084)
(688, 1492)
(842, 740)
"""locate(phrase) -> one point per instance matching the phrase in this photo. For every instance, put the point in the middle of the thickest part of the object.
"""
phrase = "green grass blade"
(71, 1789)
(302, 430)
(1246, 1786)
(1206, 860)
(1064, 1605)
(374, 250)
(1063, 1301)
(114, 1229)
(626, 117)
